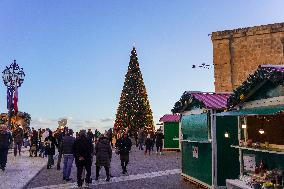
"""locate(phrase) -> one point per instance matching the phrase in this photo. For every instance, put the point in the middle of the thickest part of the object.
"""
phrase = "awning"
(267, 110)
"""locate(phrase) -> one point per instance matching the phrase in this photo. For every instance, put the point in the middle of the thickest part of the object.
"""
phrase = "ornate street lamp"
(13, 77)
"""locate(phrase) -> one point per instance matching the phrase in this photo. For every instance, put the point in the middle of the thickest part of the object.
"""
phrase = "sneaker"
(68, 179)
(108, 179)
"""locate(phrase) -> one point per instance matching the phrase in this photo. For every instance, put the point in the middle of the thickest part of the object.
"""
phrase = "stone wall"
(237, 53)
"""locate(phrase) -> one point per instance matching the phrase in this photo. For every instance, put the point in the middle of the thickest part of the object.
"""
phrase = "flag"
(9, 99)
(16, 100)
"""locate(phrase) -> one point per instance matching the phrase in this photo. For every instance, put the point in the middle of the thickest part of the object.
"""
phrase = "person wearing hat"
(83, 152)
(66, 147)
(5, 142)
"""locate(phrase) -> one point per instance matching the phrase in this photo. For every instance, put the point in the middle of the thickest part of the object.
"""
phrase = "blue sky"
(75, 53)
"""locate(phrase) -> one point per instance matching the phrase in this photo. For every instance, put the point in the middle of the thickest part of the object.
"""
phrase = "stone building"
(237, 53)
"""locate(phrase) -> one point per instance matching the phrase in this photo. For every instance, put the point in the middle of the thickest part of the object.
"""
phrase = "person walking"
(141, 138)
(50, 144)
(59, 136)
(83, 150)
(159, 141)
(5, 142)
(124, 146)
(148, 144)
(18, 137)
(66, 146)
(103, 154)
(34, 144)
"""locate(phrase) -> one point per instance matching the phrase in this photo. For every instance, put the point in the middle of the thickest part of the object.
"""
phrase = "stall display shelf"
(272, 151)
(236, 183)
(193, 141)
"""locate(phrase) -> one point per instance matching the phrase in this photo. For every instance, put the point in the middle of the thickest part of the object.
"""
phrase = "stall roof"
(170, 118)
(265, 110)
(264, 73)
(207, 100)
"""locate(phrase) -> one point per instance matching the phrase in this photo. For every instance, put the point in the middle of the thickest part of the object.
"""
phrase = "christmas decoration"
(264, 73)
(134, 110)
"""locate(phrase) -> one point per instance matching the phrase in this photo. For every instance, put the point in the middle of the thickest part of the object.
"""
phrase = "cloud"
(107, 120)
(76, 124)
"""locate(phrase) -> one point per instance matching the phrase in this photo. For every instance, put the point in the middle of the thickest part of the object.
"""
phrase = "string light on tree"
(134, 110)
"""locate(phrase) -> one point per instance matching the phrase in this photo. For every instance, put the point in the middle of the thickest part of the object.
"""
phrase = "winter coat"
(141, 136)
(67, 144)
(5, 139)
(103, 152)
(50, 144)
(34, 140)
(83, 147)
(148, 143)
(159, 139)
(18, 135)
(124, 145)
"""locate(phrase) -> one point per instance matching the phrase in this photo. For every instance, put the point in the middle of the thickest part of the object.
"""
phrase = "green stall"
(206, 154)
(171, 131)
(258, 105)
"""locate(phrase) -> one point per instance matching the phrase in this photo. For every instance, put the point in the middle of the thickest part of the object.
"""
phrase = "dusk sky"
(75, 53)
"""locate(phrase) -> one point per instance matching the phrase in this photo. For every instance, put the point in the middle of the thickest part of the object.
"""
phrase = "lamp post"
(13, 77)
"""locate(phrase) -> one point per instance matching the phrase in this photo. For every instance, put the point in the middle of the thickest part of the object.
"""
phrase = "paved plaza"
(154, 171)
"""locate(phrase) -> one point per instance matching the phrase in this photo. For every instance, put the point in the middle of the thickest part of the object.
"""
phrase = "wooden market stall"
(206, 153)
(259, 105)
(171, 131)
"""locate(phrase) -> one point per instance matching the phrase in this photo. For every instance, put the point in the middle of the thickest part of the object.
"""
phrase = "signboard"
(249, 162)
(195, 152)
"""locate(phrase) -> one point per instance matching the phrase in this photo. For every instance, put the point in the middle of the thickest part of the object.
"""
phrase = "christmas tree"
(134, 110)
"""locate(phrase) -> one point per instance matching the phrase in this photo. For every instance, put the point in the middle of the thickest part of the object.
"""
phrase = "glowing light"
(226, 135)
(261, 131)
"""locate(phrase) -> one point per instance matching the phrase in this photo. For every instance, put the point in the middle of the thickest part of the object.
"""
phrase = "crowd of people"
(149, 141)
(81, 148)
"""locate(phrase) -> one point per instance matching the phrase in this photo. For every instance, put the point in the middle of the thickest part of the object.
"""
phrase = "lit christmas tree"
(134, 110)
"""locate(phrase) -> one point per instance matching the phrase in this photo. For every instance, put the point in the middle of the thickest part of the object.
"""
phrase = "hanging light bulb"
(226, 134)
(261, 131)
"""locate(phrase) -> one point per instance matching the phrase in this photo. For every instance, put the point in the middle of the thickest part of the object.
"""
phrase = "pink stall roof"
(212, 100)
(170, 118)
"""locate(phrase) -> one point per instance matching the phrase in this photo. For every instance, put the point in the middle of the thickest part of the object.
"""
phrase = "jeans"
(17, 146)
(140, 145)
(50, 160)
(68, 161)
(3, 157)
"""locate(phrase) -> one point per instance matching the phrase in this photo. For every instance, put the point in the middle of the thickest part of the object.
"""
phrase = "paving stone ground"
(20, 170)
(139, 165)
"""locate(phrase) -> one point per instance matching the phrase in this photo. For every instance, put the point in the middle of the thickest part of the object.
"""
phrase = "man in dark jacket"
(50, 143)
(83, 152)
(18, 136)
(66, 147)
(5, 142)
(124, 146)
(159, 141)
(59, 136)
(90, 135)
(103, 154)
